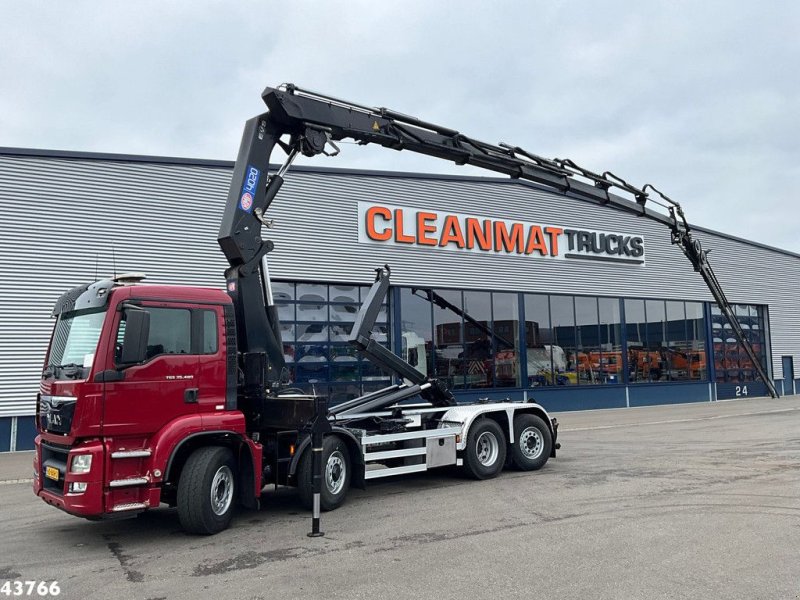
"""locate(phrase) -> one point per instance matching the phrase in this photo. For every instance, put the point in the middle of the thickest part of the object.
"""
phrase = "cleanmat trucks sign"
(404, 226)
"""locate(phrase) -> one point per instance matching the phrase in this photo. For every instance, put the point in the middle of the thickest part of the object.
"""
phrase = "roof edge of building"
(228, 164)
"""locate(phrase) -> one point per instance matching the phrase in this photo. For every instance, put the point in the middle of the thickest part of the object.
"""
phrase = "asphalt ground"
(686, 501)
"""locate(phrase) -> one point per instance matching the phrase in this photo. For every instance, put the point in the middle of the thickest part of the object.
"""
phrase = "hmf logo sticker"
(252, 175)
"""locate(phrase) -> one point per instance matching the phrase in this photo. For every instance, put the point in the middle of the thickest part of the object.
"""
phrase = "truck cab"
(132, 372)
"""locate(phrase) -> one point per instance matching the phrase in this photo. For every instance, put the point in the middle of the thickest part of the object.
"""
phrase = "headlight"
(77, 487)
(81, 463)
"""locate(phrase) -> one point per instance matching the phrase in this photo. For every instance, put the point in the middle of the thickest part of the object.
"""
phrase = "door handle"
(190, 395)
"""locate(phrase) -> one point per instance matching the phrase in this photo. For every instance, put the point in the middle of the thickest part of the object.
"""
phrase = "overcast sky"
(700, 99)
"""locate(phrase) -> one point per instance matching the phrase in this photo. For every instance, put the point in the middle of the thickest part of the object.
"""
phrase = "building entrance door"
(788, 375)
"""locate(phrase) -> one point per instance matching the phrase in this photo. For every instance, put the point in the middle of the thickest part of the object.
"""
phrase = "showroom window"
(610, 364)
(469, 339)
(538, 340)
(731, 362)
(665, 340)
(316, 320)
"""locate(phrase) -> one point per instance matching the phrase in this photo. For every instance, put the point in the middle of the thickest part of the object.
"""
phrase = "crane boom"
(305, 122)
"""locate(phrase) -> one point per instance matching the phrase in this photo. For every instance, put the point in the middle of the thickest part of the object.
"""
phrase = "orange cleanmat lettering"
(383, 213)
(513, 241)
(399, 235)
(424, 228)
(553, 232)
(451, 232)
(536, 241)
(483, 235)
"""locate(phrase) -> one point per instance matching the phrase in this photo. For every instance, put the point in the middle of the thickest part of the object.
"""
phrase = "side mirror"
(134, 343)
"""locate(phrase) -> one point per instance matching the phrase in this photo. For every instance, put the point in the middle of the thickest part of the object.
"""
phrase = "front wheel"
(336, 475)
(533, 443)
(485, 453)
(207, 490)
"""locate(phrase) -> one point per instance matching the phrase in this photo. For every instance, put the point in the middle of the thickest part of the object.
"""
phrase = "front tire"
(533, 443)
(207, 491)
(485, 453)
(336, 475)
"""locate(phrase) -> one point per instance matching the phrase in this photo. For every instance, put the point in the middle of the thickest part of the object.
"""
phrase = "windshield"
(74, 343)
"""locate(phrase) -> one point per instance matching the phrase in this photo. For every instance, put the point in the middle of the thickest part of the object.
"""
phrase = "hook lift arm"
(305, 122)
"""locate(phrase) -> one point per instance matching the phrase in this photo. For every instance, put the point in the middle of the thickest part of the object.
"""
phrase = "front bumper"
(56, 492)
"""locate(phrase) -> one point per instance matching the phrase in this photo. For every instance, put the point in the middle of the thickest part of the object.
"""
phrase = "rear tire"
(485, 453)
(336, 475)
(532, 444)
(207, 490)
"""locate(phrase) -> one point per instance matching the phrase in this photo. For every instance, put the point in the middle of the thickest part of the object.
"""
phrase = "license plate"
(51, 473)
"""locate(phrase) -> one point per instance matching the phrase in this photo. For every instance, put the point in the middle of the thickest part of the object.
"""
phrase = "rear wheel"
(207, 490)
(336, 475)
(485, 453)
(533, 443)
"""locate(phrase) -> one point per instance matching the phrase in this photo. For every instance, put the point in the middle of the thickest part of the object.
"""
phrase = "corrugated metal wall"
(61, 216)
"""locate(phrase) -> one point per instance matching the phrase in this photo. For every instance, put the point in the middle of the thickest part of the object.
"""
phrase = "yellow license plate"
(51, 473)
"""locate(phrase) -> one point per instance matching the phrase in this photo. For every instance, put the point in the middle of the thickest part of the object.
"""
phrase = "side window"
(208, 338)
(170, 331)
(176, 331)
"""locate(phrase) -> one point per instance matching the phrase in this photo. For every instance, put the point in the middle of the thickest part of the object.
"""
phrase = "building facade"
(500, 287)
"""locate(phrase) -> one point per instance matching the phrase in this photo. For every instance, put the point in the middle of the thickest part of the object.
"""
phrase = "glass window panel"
(170, 331)
(343, 353)
(380, 333)
(675, 356)
(348, 371)
(344, 293)
(416, 329)
(651, 362)
(538, 340)
(285, 312)
(344, 312)
(313, 373)
(587, 341)
(610, 366)
(505, 322)
(282, 291)
(449, 340)
(697, 363)
(340, 332)
(209, 342)
(636, 338)
(731, 362)
(315, 333)
(288, 353)
(312, 312)
(478, 355)
(287, 332)
(564, 351)
(312, 332)
(311, 354)
(370, 372)
(312, 292)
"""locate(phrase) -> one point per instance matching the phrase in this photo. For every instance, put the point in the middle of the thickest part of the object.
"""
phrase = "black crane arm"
(301, 121)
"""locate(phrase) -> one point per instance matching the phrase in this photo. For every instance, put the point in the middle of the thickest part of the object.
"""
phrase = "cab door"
(212, 359)
(162, 388)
